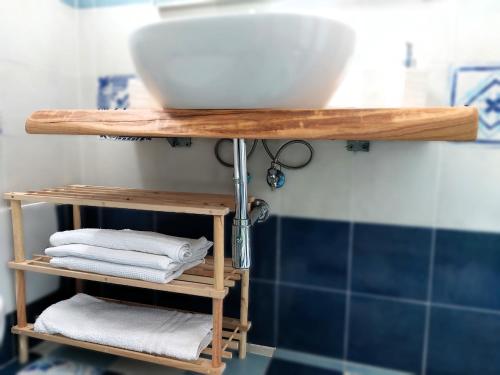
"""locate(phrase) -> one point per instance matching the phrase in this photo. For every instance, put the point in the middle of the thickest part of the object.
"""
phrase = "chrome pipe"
(241, 221)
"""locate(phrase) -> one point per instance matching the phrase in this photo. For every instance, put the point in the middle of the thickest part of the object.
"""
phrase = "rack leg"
(77, 224)
(19, 256)
(245, 285)
(217, 304)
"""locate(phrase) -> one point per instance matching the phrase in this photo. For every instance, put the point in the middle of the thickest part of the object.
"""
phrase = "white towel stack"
(138, 255)
(156, 331)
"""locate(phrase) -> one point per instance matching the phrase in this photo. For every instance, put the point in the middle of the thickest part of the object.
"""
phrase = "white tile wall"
(38, 69)
(40, 223)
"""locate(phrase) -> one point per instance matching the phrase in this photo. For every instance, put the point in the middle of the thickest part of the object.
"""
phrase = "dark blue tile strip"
(314, 252)
(386, 333)
(390, 273)
(467, 269)
(463, 343)
(391, 260)
(311, 321)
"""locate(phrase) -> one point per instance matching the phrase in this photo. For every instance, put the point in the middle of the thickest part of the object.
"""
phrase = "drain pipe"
(241, 222)
(243, 219)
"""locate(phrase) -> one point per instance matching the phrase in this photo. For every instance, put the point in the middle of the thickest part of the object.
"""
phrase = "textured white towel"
(121, 270)
(178, 248)
(155, 331)
(132, 258)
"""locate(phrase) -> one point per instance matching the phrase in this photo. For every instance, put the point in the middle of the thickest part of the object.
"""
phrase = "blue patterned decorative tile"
(463, 343)
(121, 218)
(314, 252)
(113, 92)
(281, 367)
(386, 333)
(264, 249)
(311, 321)
(467, 269)
(391, 260)
(479, 86)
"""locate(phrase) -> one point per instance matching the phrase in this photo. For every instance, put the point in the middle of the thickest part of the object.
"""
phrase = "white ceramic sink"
(270, 60)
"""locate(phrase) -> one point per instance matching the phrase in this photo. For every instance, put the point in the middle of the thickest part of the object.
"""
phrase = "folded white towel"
(121, 270)
(132, 258)
(178, 248)
(155, 331)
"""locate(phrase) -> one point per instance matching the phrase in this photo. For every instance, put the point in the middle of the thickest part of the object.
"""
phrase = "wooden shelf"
(152, 200)
(232, 333)
(212, 279)
(422, 124)
(197, 281)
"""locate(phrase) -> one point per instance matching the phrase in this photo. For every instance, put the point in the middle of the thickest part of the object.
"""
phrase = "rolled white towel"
(156, 331)
(122, 270)
(178, 249)
(132, 258)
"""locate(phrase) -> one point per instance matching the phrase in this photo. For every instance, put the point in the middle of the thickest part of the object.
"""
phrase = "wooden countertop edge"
(417, 124)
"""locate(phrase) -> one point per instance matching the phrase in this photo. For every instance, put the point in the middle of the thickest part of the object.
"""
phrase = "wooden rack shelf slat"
(417, 124)
(201, 365)
(211, 279)
(179, 285)
(192, 203)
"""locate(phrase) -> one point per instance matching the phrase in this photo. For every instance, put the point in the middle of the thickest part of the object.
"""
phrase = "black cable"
(275, 158)
(219, 143)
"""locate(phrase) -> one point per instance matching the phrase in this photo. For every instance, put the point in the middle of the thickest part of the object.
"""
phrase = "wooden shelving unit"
(212, 279)
(410, 124)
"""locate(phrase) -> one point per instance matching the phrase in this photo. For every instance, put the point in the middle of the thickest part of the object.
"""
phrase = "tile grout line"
(347, 311)
(432, 254)
(427, 323)
(277, 281)
(478, 310)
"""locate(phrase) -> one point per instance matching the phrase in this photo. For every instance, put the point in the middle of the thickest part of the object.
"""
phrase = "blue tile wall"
(391, 260)
(303, 284)
(386, 333)
(314, 252)
(311, 321)
(467, 269)
(463, 342)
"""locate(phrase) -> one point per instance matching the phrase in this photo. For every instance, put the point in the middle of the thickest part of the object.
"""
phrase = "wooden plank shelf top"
(103, 196)
(411, 124)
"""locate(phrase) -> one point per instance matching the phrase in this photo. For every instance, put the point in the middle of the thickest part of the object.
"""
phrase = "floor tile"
(386, 333)
(467, 269)
(281, 367)
(385, 253)
(314, 252)
(463, 343)
(311, 321)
